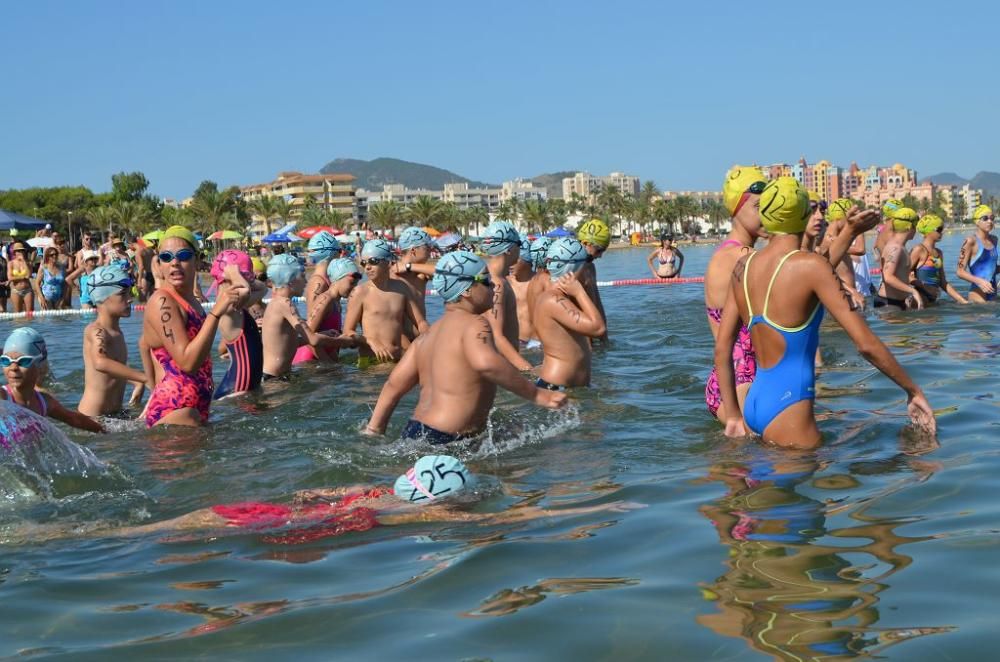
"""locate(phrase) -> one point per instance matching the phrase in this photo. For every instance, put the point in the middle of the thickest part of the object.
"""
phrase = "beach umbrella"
(447, 240)
(310, 232)
(225, 234)
(559, 232)
(432, 232)
(40, 242)
(281, 238)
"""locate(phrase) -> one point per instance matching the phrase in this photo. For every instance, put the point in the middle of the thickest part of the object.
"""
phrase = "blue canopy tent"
(559, 232)
(10, 220)
(282, 236)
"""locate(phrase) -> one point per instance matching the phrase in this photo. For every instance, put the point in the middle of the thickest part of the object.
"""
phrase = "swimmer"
(283, 328)
(785, 329)
(895, 289)
(343, 276)
(179, 336)
(380, 306)
(540, 281)
(502, 246)
(520, 278)
(595, 235)
(81, 276)
(566, 319)
(24, 353)
(843, 224)
(977, 259)
(741, 194)
(927, 262)
(669, 259)
(22, 294)
(232, 275)
(456, 363)
(323, 248)
(889, 208)
(412, 269)
(105, 353)
(144, 268)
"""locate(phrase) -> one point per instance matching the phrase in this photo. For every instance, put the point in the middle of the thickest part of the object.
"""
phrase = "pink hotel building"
(872, 185)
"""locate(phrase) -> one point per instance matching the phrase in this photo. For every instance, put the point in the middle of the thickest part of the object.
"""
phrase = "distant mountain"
(372, 175)
(947, 179)
(552, 181)
(988, 182)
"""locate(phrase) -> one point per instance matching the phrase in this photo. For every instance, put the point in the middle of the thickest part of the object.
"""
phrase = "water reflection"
(786, 593)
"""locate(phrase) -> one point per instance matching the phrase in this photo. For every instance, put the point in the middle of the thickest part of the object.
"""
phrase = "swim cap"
(178, 231)
(323, 246)
(339, 268)
(538, 249)
(433, 477)
(738, 181)
(929, 223)
(258, 265)
(454, 274)
(784, 206)
(891, 206)
(838, 209)
(26, 341)
(596, 232)
(565, 255)
(377, 248)
(413, 237)
(283, 269)
(108, 280)
(525, 249)
(980, 211)
(231, 256)
(498, 237)
(903, 219)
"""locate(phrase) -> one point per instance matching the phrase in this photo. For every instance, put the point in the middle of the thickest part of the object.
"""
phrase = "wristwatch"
(409, 266)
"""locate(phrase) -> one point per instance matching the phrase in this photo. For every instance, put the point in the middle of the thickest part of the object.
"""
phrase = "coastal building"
(459, 194)
(958, 202)
(587, 186)
(522, 190)
(332, 192)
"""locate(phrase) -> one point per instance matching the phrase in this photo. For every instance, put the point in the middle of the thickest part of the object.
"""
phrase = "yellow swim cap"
(784, 206)
(596, 232)
(814, 196)
(738, 181)
(838, 209)
(180, 232)
(980, 211)
(929, 223)
(891, 206)
(903, 219)
(258, 265)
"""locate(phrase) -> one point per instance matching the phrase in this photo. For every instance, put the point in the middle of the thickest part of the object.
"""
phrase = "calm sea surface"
(877, 544)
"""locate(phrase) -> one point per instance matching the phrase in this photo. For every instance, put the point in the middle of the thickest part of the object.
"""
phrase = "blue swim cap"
(454, 274)
(108, 280)
(323, 246)
(433, 477)
(499, 237)
(377, 248)
(283, 269)
(413, 237)
(341, 267)
(538, 248)
(525, 249)
(565, 255)
(26, 341)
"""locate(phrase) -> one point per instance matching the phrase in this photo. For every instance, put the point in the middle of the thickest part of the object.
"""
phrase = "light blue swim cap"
(498, 237)
(26, 341)
(108, 280)
(454, 274)
(377, 248)
(413, 237)
(538, 249)
(341, 267)
(323, 246)
(565, 255)
(433, 477)
(283, 269)
(525, 249)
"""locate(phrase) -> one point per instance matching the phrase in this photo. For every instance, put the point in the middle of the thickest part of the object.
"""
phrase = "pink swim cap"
(232, 256)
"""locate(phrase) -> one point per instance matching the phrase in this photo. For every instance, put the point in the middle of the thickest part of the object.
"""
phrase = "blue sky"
(674, 92)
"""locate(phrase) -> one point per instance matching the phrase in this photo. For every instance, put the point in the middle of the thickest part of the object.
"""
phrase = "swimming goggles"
(373, 261)
(822, 204)
(756, 188)
(183, 255)
(482, 277)
(124, 283)
(987, 217)
(24, 362)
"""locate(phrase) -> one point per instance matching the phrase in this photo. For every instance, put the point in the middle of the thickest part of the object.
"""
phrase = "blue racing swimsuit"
(793, 378)
(984, 265)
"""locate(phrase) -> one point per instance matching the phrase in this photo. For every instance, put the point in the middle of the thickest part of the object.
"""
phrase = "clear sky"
(676, 92)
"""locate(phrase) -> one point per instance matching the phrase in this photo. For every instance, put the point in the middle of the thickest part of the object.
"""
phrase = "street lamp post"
(70, 231)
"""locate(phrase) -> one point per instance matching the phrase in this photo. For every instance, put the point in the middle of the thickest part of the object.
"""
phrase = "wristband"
(215, 316)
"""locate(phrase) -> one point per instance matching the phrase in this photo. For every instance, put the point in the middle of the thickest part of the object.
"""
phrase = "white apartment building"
(522, 190)
(587, 186)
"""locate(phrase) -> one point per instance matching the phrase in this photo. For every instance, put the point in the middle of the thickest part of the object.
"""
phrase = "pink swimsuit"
(744, 358)
(332, 322)
(179, 389)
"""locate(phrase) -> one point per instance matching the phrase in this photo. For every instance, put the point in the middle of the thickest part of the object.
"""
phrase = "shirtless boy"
(540, 281)
(412, 268)
(283, 327)
(502, 246)
(381, 306)
(105, 354)
(520, 277)
(896, 289)
(595, 235)
(456, 363)
(566, 319)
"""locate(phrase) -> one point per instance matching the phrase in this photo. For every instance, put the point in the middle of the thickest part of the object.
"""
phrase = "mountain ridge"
(374, 174)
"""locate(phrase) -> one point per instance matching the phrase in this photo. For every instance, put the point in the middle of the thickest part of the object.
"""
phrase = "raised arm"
(574, 310)
(164, 327)
(858, 222)
(312, 338)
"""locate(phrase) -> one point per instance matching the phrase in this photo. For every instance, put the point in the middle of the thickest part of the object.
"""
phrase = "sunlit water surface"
(875, 544)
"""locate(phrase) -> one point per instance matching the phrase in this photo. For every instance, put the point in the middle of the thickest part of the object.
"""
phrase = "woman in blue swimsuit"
(977, 259)
(785, 329)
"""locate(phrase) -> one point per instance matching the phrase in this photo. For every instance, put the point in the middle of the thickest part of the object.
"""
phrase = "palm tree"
(424, 211)
(101, 217)
(475, 216)
(210, 207)
(131, 217)
(386, 214)
(282, 210)
(264, 207)
(536, 215)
